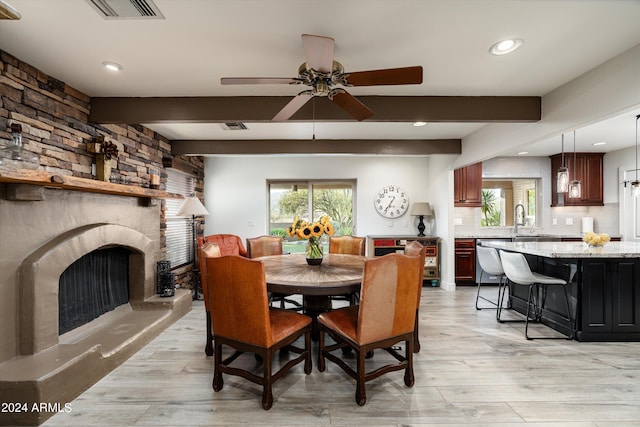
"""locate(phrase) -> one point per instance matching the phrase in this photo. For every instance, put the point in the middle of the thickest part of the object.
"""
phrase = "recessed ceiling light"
(113, 66)
(522, 153)
(418, 124)
(599, 143)
(505, 46)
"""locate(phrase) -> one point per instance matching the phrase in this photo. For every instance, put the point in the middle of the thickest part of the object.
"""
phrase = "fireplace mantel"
(48, 179)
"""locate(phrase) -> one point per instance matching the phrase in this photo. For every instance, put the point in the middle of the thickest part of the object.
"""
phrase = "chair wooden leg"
(218, 382)
(267, 394)
(361, 394)
(409, 378)
(208, 348)
(416, 335)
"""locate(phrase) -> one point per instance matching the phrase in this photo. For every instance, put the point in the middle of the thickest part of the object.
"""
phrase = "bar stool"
(490, 263)
(517, 270)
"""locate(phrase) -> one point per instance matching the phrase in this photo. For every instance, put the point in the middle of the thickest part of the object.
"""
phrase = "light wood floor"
(471, 371)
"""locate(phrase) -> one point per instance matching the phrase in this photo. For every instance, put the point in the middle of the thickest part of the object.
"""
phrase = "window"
(179, 229)
(501, 196)
(310, 200)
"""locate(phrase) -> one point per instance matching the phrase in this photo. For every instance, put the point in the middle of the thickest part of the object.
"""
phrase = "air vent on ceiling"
(234, 126)
(118, 9)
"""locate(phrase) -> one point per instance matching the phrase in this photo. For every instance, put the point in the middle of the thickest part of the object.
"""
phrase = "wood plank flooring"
(471, 371)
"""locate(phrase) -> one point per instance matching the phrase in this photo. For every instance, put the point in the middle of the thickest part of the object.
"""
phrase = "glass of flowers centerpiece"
(311, 231)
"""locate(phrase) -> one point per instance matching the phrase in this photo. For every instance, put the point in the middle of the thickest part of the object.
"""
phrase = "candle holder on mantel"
(14, 156)
(104, 150)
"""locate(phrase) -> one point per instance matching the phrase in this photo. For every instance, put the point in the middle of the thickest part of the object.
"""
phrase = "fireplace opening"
(92, 286)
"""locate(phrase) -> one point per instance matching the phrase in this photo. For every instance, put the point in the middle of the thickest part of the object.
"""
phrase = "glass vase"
(314, 252)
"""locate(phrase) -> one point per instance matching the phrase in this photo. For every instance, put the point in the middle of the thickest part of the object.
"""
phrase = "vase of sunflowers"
(313, 232)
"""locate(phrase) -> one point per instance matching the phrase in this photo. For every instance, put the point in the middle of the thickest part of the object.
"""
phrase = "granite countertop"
(571, 249)
(511, 236)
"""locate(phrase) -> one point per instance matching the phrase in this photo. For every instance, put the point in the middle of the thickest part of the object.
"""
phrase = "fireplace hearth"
(42, 361)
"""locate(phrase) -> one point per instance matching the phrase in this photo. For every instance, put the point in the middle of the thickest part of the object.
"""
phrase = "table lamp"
(193, 207)
(421, 209)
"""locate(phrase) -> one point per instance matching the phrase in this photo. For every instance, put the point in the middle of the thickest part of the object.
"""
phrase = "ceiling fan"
(324, 75)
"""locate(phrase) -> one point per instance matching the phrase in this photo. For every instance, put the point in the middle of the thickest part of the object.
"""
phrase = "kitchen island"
(604, 286)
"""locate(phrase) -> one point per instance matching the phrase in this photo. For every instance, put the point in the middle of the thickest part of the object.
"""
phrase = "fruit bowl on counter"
(595, 240)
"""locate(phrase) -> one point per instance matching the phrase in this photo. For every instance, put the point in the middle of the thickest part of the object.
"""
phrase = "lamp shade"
(192, 207)
(421, 209)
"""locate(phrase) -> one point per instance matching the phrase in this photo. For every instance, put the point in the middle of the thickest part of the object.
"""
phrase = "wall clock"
(391, 201)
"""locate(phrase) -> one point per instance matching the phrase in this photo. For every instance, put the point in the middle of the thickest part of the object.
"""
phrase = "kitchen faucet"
(516, 222)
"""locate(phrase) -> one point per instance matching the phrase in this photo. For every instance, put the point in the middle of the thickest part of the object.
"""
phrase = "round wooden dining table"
(337, 275)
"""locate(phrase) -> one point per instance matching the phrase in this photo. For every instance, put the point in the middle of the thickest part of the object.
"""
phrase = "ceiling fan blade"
(390, 76)
(351, 105)
(257, 80)
(319, 51)
(292, 106)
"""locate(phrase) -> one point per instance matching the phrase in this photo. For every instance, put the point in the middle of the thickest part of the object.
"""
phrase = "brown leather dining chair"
(265, 246)
(415, 248)
(226, 244)
(229, 244)
(243, 320)
(384, 317)
(347, 245)
(207, 250)
(350, 245)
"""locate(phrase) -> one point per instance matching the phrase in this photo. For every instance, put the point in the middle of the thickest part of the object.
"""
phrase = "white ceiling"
(200, 41)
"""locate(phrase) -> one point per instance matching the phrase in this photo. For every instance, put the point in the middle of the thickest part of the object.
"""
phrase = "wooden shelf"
(47, 179)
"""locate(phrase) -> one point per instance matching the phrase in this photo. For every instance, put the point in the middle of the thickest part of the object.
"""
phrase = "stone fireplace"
(40, 239)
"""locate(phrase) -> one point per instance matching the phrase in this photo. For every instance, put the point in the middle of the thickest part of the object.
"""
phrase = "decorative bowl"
(595, 240)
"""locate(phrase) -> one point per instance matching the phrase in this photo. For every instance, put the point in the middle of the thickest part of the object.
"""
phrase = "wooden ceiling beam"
(398, 147)
(262, 109)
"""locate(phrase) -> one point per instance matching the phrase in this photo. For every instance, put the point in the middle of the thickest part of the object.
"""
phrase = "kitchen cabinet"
(588, 168)
(465, 261)
(610, 299)
(467, 186)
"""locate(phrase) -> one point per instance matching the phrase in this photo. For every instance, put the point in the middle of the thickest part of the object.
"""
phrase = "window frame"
(310, 183)
(179, 229)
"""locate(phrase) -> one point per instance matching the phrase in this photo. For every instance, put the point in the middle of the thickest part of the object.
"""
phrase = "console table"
(382, 245)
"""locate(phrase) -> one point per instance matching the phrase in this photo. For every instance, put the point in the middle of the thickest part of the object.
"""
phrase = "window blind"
(179, 229)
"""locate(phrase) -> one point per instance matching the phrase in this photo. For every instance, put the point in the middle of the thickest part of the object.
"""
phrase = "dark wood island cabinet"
(604, 287)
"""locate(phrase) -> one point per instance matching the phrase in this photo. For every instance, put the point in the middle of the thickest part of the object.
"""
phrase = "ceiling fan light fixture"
(505, 46)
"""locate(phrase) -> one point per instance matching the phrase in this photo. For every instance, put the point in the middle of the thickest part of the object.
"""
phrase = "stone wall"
(54, 119)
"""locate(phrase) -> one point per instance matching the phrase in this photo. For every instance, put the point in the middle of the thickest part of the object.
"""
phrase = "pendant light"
(635, 185)
(575, 190)
(562, 181)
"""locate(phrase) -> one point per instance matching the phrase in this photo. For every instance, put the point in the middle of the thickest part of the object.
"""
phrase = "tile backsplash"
(562, 221)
